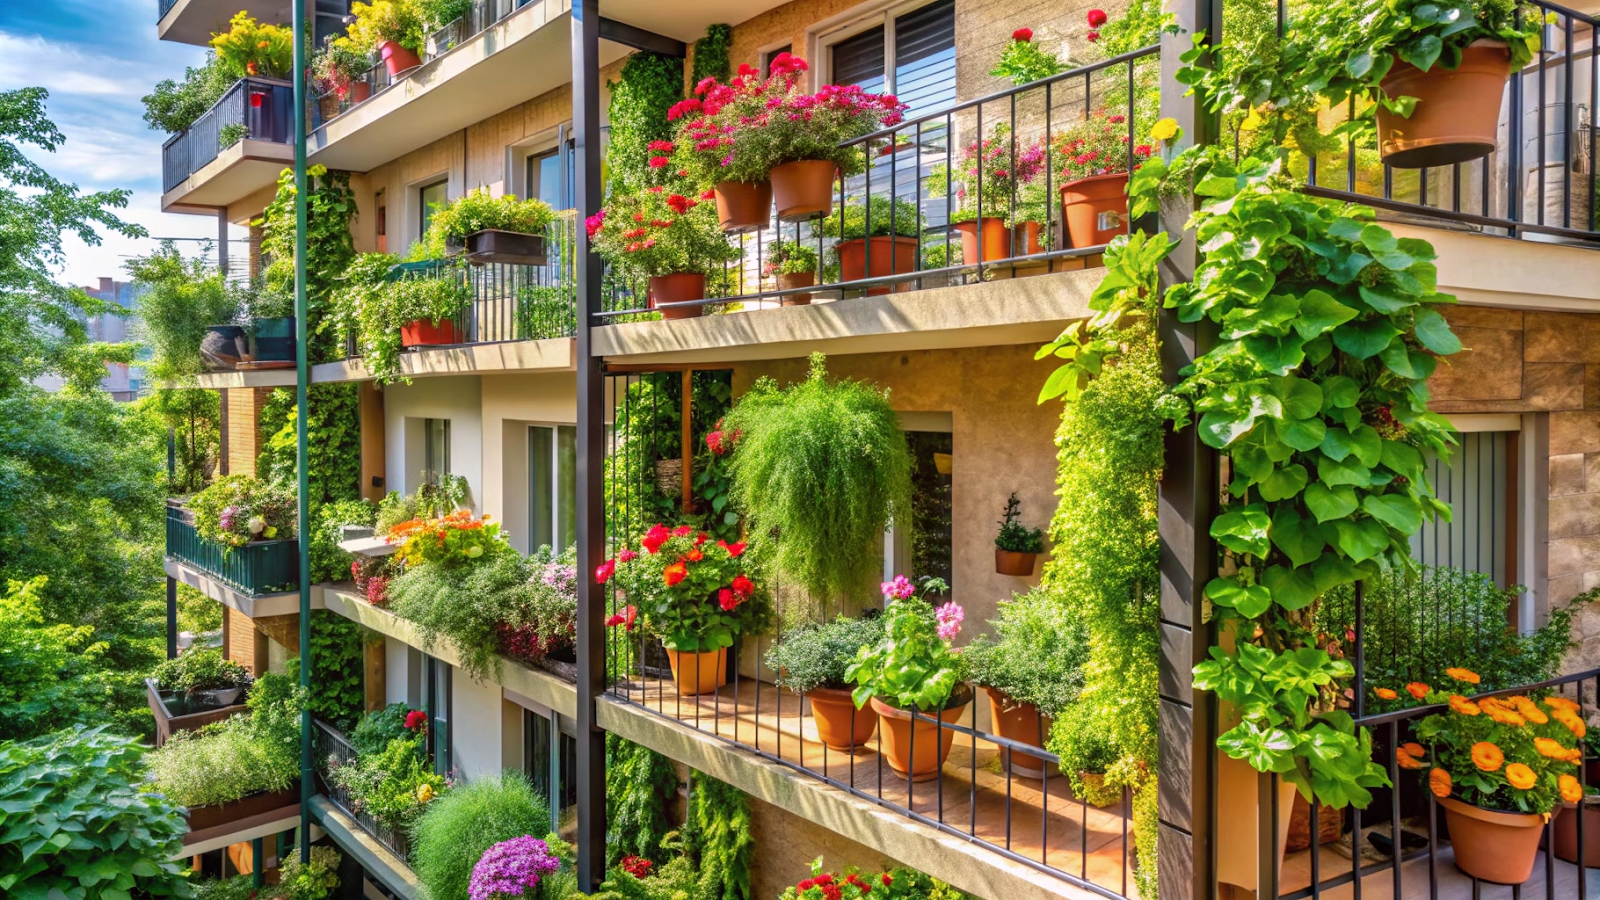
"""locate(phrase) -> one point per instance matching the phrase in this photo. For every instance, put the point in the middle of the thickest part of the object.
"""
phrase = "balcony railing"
(163, 7)
(263, 567)
(332, 750)
(255, 109)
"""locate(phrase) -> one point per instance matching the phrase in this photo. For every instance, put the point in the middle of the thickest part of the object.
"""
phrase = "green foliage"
(391, 785)
(455, 830)
(471, 604)
(1038, 654)
(650, 428)
(911, 665)
(477, 211)
(646, 88)
(816, 655)
(790, 258)
(401, 21)
(333, 444)
(239, 887)
(76, 821)
(1014, 536)
(718, 828)
(1023, 61)
(237, 757)
(666, 230)
(178, 301)
(48, 673)
(313, 880)
(436, 296)
(328, 562)
(378, 728)
(330, 248)
(173, 106)
(839, 440)
(193, 417)
(338, 658)
(641, 786)
(1085, 747)
(851, 221)
(237, 509)
(678, 879)
(711, 54)
(200, 669)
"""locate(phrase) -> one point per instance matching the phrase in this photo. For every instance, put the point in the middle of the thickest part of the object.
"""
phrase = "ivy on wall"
(333, 445)
(718, 828)
(330, 248)
(338, 646)
(641, 786)
(712, 55)
(647, 87)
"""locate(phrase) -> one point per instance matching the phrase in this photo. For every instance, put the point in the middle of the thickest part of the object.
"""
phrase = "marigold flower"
(1466, 675)
(1439, 783)
(1573, 723)
(1560, 703)
(674, 573)
(1529, 709)
(425, 793)
(1386, 694)
(1462, 705)
(1500, 712)
(1418, 690)
(1549, 749)
(1414, 748)
(1520, 776)
(1405, 759)
(1571, 789)
(1487, 756)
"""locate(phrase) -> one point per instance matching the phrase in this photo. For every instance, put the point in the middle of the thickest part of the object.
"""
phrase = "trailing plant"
(238, 509)
(544, 622)
(717, 826)
(330, 248)
(817, 654)
(712, 54)
(435, 297)
(477, 211)
(1015, 537)
(913, 664)
(694, 594)
(483, 609)
(878, 217)
(338, 656)
(400, 21)
(393, 786)
(333, 447)
(648, 85)
(454, 832)
(173, 106)
(250, 48)
(239, 757)
(840, 440)
(313, 880)
(200, 669)
(76, 820)
(641, 786)
(1023, 61)
(178, 301)
(1037, 655)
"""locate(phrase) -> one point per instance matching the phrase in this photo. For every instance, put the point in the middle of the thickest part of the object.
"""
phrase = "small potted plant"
(793, 265)
(811, 661)
(876, 238)
(1094, 157)
(989, 183)
(1084, 746)
(1499, 766)
(494, 229)
(203, 678)
(337, 78)
(249, 48)
(1031, 670)
(914, 667)
(267, 314)
(695, 596)
(668, 235)
(1016, 547)
(396, 30)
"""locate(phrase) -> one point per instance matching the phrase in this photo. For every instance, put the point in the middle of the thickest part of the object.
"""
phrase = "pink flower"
(660, 162)
(624, 618)
(594, 223)
(705, 85)
(627, 555)
(900, 588)
(949, 617)
(604, 571)
(1093, 36)
(1097, 17)
(682, 531)
(1022, 34)
(661, 146)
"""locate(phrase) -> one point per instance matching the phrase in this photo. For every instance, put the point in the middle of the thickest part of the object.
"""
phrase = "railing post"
(302, 415)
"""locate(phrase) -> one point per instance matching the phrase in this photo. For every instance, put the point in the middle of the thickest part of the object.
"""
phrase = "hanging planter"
(496, 246)
(1457, 110)
(803, 189)
(1017, 565)
(743, 207)
(678, 288)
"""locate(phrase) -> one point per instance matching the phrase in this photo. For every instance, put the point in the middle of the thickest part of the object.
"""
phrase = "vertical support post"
(222, 241)
(591, 750)
(172, 618)
(1187, 767)
(687, 413)
(258, 863)
(172, 459)
(302, 415)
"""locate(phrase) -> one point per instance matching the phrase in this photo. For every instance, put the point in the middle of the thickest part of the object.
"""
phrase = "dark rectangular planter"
(171, 717)
(262, 567)
(204, 817)
(509, 247)
(274, 339)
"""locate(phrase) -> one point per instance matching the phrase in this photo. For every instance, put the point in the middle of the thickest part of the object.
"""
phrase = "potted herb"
(913, 667)
(203, 678)
(1087, 752)
(811, 661)
(494, 229)
(695, 596)
(393, 29)
(876, 238)
(1031, 670)
(267, 314)
(1094, 156)
(249, 48)
(1016, 547)
(794, 266)
(237, 510)
(990, 182)
(668, 237)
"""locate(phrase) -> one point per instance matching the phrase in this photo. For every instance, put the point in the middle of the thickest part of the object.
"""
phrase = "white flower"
(257, 524)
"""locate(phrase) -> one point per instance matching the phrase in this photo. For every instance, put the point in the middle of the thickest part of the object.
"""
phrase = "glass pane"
(434, 194)
(859, 60)
(436, 462)
(931, 512)
(925, 57)
(566, 486)
(537, 762)
(546, 180)
(541, 494)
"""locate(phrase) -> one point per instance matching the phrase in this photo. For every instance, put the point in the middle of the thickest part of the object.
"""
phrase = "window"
(550, 759)
(910, 52)
(381, 221)
(543, 179)
(927, 551)
(552, 486)
(436, 194)
(1478, 484)
(436, 450)
(436, 704)
(770, 55)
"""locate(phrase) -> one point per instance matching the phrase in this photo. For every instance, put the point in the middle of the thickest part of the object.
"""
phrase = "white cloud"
(65, 70)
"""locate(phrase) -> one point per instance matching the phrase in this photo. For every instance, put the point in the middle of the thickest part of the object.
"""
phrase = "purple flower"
(512, 869)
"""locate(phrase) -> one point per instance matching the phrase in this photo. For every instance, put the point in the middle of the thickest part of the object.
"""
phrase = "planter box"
(511, 247)
(206, 817)
(274, 339)
(262, 567)
(171, 717)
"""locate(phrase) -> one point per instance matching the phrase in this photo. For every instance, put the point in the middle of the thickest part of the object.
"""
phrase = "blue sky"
(97, 58)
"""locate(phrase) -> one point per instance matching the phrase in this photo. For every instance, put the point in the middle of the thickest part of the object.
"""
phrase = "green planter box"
(264, 567)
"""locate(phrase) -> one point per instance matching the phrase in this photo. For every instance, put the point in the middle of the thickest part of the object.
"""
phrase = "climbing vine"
(641, 786)
(718, 827)
(647, 87)
(712, 57)
(334, 441)
(330, 248)
(337, 656)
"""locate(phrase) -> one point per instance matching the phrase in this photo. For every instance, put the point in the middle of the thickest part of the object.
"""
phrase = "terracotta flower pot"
(1020, 565)
(1096, 209)
(1490, 845)
(1456, 113)
(397, 59)
(1330, 825)
(679, 287)
(1020, 722)
(743, 207)
(1567, 834)
(890, 256)
(796, 280)
(802, 189)
(996, 240)
(836, 715)
(426, 332)
(932, 743)
(1028, 237)
(699, 673)
(360, 92)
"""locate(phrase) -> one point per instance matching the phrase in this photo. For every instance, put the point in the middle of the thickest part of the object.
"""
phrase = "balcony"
(236, 148)
(194, 21)
(257, 570)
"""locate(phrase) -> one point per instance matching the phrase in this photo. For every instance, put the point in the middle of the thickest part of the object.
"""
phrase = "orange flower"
(1501, 713)
(1573, 723)
(1530, 710)
(1562, 703)
(1418, 690)
(1571, 790)
(1405, 759)
(1439, 783)
(1414, 748)
(1487, 756)
(1549, 749)
(1466, 675)
(1462, 705)
(1520, 776)
(674, 573)
(1386, 694)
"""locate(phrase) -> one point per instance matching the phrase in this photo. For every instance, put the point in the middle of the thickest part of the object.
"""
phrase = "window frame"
(554, 488)
(430, 468)
(822, 37)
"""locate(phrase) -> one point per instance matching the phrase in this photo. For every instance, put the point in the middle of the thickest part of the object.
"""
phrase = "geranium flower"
(604, 571)
(674, 573)
(627, 555)
(661, 146)
(695, 555)
(660, 162)
(900, 588)
(1093, 36)
(949, 617)
(637, 866)
(743, 586)
(728, 600)
(1022, 34)
(682, 531)
(416, 720)
(624, 618)
(1097, 17)
(655, 537)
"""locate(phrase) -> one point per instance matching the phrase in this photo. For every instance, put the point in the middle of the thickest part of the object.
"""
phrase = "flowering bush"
(238, 509)
(914, 663)
(827, 886)
(1512, 753)
(456, 538)
(392, 786)
(250, 48)
(547, 623)
(664, 229)
(1096, 146)
(694, 594)
(334, 68)
(1001, 165)
(740, 130)
(1024, 60)
(511, 869)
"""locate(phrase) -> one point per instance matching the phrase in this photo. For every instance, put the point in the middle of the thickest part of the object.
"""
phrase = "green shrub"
(76, 821)
(238, 509)
(718, 828)
(816, 655)
(179, 299)
(455, 830)
(377, 728)
(1081, 740)
(313, 880)
(389, 785)
(641, 786)
(49, 675)
(647, 86)
(1038, 653)
(239, 887)
(328, 562)
(236, 758)
(200, 669)
(173, 106)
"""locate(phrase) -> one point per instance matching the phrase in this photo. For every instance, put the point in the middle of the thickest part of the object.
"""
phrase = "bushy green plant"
(400, 21)
(647, 86)
(238, 757)
(1024, 61)
(1014, 536)
(817, 655)
(913, 664)
(173, 106)
(200, 669)
(76, 821)
(1037, 655)
(1080, 739)
(232, 133)
(789, 258)
(328, 562)
(377, 728)
(330, 248)
(477, 211)
(178, 301)
(250, 48)
(665, 229)
(338, 657)
(851, 221)
(238, 509)
(394, 785)
(312, 880)
(334, 67)
(824, 466)
(468, 606)
(434, 297)
(48, 673)
(454, 831)
(718, 829)
(239, 887)
(259, 299)
(712, 54)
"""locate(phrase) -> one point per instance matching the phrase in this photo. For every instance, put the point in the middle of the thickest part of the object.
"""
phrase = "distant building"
(122, 381)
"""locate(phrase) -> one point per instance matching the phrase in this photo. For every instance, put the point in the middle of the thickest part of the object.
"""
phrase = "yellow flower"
(1561, 703)
(1573, 723)
(1571, 790)
(1520, 776)
(1487, 756)
(1164, 130)
(1530, 710)
(1501, 713)
(425, 793)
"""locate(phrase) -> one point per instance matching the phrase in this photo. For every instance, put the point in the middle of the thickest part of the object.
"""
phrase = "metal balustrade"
(258, 109)
(332, 750)
(260, 567)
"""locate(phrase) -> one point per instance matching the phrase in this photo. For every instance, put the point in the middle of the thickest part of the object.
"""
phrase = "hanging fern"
(719, 831)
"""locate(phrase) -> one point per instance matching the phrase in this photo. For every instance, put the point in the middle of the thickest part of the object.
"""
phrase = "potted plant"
(876, 238)
(1499, 766)
(249, 48)
(267, 315)
(1087, 753)
(1094, 156)
(695, 596)
(394, 29)
(1031, 670)
(337, 77)
(203, 678)
(793, 265)
(989, 183)
(668, 235)
(811, 661)
(913, 668)
(1567, 829)
(237, 510)
(494, 229)
(1016, 547)
(419, 311)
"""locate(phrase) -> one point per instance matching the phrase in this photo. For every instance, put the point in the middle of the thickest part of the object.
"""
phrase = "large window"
(436, 194)
(908, 50)
(552, 486)
(1478, 484)
(544, 179)
(435, 450)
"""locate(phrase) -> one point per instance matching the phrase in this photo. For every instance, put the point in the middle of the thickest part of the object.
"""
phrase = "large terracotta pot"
(1330, 825)
(397, 59)
(1096, 209)
(996, 239)
(1567, 834)
(1237, 789)
(932, 743)
(796, 280)
(1028, 237)
(1490, 845)
(802, 189)
(679, 287)
(426, 332)
(1020, 565)
(743, 207)
(890, 256)
(699, 673)
(1457, 109)
(838, 720)
(1020, 722)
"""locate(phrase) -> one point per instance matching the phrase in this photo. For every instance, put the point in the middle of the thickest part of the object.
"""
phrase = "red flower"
(680, 203)
(637, 866)
(743, 586)
(683, 108)
(660, 162)
(416, 720)
(1097, 17)
(624, 618)
(1022, 34)
(674, 573)
(604, 571)
(887, 879)
(682, 531)
(627, 555)
(832, 892)
(708, 194)
(661, 146)
(655, 537)
(701, 538)
(733, 549)
(695, 555)
(728, 599)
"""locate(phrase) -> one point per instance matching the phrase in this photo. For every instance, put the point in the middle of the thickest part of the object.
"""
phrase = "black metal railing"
(912, 165)
(256, 109)
(333, 749)
(163, 7)
(261, 567)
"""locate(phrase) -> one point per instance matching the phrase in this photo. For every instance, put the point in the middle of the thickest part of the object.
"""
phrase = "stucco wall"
(786, 844)
(475, 722)
(404, 408)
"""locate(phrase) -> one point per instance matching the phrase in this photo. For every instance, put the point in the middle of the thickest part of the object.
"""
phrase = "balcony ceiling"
(686, 20)
(194, 21)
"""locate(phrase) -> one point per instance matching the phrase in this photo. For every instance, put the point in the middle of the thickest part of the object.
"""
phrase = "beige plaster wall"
(786, 844)
(406, 405)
